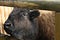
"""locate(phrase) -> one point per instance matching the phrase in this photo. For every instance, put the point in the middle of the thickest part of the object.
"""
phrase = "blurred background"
(4, 13)
(33, 0)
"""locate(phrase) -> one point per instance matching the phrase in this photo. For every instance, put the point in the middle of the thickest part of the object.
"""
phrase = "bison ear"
(34, 14)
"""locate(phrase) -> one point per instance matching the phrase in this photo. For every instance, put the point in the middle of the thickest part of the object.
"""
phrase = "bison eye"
(34, 14)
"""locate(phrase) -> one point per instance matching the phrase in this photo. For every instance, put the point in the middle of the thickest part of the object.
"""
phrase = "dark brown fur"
(47, 25)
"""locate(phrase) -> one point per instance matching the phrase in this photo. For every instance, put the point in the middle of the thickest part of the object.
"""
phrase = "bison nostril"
(7, 24)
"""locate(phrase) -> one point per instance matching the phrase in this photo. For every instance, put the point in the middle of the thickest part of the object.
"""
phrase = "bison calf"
(23, 24)
(27, 24)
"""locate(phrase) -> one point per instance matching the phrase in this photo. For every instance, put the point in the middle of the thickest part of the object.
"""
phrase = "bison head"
(23, 24)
